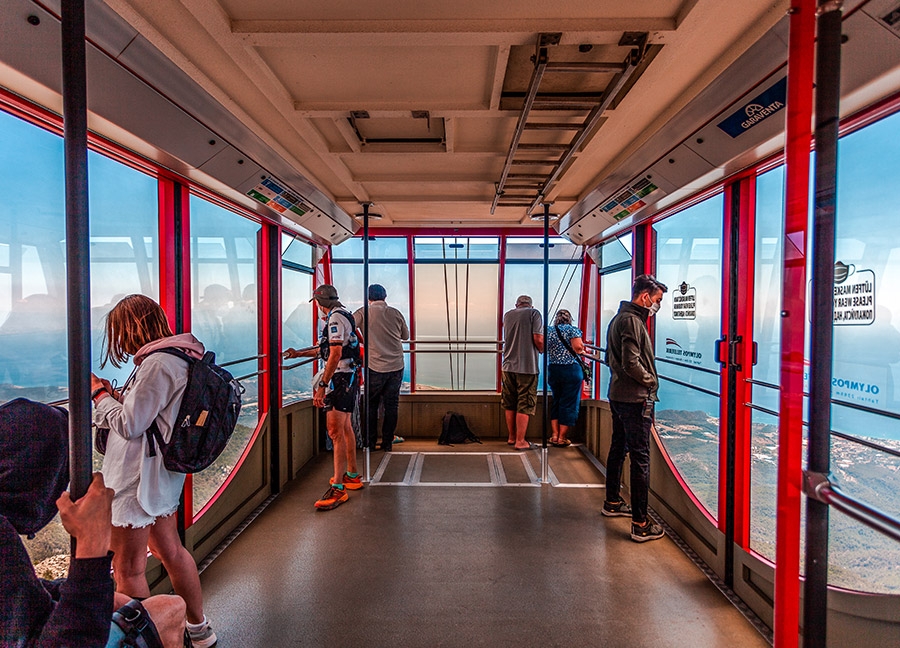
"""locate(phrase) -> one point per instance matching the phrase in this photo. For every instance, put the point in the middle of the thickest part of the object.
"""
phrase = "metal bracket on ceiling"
(638, 43)
(354, 115)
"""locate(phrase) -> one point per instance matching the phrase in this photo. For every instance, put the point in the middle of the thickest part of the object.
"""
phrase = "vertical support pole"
(587, 265)
(78, 259)
(793, 322)
(545, 414)
(364, 420)
(827, 105)
(269, 299)
(411, 289)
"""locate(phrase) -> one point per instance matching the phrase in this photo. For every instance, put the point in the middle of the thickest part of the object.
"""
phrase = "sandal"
(564, 443)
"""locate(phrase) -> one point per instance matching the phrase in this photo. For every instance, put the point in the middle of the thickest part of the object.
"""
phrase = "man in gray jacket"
(632, 393)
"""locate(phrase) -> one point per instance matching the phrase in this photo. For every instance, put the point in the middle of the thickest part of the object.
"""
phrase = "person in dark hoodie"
(72, 612)
(147, 494)
(632, 394)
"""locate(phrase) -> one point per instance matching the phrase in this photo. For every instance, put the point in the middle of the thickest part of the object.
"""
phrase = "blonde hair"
(135, 321)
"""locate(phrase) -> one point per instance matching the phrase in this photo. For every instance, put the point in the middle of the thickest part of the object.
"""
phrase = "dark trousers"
(383, 388)
(631, 435)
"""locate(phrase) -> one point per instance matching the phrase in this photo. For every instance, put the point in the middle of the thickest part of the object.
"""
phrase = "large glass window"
(297, 313)
(225, 318)
(387, 266)
(689, 262)
(614, 261)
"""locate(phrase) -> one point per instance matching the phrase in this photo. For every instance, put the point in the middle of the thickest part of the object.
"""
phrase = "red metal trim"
(501, 277)
(167, 252)
(457, 232)
(744, 415)
(724, 317)
(801, 53)
(595, 277)
(268, 290)
(251, 442)
(746, 189)
(583, 304)
(411, 288)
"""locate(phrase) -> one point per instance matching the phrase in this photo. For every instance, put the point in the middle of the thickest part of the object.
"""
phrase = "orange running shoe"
(332, 498)
(350, 483)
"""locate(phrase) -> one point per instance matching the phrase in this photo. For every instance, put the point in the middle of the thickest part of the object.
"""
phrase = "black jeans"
(631, 435)
(383, 387)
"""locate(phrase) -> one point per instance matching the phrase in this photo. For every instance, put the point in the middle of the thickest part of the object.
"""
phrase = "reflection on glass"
(615, 287)
(208, 481)
(296, 251)
(296, 332)
(224, 317)
(689, 262)
(688, 425)
(348, 279)
(456, 302)
(616, 251)
(532, 247)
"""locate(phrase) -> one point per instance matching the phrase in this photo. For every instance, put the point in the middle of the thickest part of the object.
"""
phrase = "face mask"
(654, 308)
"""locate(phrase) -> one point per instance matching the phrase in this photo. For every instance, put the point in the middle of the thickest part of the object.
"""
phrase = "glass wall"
(297, 330)
(388, 266)
(224, 317)
(615, 287)
(689, 262)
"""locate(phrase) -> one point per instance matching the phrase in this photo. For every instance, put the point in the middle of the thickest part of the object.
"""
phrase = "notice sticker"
(854, 295)
(684, 302)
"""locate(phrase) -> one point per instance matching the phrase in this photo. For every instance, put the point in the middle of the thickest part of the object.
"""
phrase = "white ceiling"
(294, 72)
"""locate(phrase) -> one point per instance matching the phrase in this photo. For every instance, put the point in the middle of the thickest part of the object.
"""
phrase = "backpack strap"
(153, 433)
(137, 626)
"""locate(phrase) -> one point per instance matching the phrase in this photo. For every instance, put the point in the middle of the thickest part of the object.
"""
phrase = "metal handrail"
(307, 361)
(819, 487)
(452, 341)
(241, 360)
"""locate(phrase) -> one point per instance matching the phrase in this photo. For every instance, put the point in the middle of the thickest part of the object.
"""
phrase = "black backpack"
(456, 430)
(206, 418)
(350, 350)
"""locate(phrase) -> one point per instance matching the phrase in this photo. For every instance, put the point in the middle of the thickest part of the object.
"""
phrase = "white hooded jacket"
(155, 392)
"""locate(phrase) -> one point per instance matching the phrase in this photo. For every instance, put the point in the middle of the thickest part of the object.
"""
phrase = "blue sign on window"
(756, 110)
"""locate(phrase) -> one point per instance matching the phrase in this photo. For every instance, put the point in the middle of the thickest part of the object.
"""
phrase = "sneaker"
(649, 531)
(202, 636)
(616, 509)
(398, 439)
(350, 483)
(332, 498)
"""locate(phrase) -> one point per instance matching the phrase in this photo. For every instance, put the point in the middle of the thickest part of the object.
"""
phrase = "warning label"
(854, 297)
(684, 302)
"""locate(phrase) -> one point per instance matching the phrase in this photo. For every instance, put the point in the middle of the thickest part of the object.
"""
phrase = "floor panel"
(454, 566)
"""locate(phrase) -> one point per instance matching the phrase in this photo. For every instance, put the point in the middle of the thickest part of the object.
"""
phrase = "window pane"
(456, 302)
(564, 286)
(380, 247)
(616, 251)
(687, 326)
(456, 249)
(33, 357)
(224, 317)
(615, 287)
(297, 332)
(296, 251)
(532, 247)
(123, 245)
(348, 279)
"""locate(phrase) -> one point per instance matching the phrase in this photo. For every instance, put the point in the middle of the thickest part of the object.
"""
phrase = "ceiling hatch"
(418, 131)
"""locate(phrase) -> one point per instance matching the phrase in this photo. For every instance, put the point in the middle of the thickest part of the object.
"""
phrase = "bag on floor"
(454, 429)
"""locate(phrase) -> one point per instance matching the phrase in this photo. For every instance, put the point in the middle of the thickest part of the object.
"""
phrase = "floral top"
(559, 354)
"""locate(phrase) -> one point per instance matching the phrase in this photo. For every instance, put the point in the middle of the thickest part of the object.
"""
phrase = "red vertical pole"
(801, 50)
(410, 268)
(587, 269)
(500, 292)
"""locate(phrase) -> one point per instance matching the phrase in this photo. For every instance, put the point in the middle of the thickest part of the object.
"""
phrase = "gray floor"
(463, 565)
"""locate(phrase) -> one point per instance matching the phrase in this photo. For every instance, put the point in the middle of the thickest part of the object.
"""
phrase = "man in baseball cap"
(326, 296)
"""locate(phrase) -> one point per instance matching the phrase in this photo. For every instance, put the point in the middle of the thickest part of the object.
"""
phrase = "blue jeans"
(565, 383)
(631, 435)
(383, 388)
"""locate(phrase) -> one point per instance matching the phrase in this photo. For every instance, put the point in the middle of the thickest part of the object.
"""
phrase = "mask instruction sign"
(684, 302)
(854, 295)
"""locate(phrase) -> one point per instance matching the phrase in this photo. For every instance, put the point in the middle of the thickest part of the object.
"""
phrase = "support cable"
(447, 300)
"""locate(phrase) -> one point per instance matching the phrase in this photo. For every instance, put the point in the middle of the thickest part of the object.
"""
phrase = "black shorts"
(344, 392)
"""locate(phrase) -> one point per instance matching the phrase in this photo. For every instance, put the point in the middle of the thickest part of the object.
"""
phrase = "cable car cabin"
(227, 158)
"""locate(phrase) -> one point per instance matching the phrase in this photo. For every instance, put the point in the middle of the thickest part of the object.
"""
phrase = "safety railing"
(819, 487)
